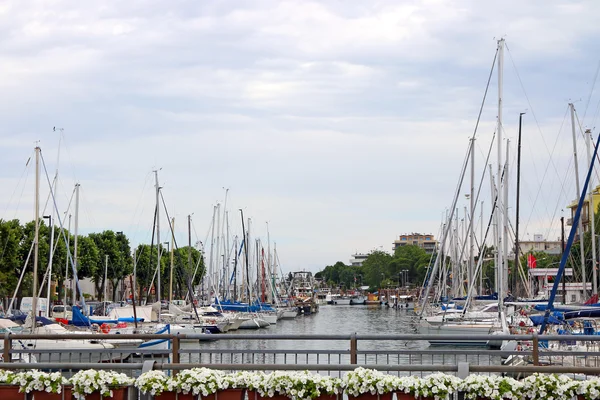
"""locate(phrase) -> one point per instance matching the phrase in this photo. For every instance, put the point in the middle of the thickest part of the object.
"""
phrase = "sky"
(339, 125)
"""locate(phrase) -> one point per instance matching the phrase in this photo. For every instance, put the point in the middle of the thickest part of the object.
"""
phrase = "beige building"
(540, 244)
(426, 242)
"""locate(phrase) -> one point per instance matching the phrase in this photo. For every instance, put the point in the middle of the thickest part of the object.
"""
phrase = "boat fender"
(105, 328)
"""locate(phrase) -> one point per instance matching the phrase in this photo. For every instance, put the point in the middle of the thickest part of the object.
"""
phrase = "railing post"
(175, 349)
(353, 349)
(536, 348)
(7, 347)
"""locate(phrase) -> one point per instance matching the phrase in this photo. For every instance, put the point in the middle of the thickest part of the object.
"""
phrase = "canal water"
(331, 319)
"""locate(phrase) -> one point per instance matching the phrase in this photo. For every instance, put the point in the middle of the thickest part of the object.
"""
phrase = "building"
(585, 211)
(426, 242)
(540, 244)
(357, 259)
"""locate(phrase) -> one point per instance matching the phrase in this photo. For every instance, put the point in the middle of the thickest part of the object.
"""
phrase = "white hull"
(358, 300)
(461, 330)
(341, 302)
(289, 314)
(270, 318)
(254, 323)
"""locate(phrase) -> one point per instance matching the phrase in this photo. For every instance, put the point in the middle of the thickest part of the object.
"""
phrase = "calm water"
(331, 319)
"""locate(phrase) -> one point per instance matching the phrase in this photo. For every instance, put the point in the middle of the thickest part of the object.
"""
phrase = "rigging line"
(137, 208)
(541, 184)
(591, 90)
(69, 157)
(596, 114)
(25, 169)
(487, 87)
(531, 108)
(585, 139)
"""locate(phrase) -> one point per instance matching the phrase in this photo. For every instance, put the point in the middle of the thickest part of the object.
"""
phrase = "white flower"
(89, 381)
(34, 380)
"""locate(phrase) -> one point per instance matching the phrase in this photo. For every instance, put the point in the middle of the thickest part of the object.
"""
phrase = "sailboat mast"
(472, 216)
(495, 221)
(212, 247)
(498, 214)
(216, 278)
(75, 252)
(515, 277)
(67, 262)
(235, 264)
(158, 298)
(172, 256)
(36, 237)
(580, 226)
(591, 212)
(246, 255)
(190, 246)
(105, 276)
(505, 226)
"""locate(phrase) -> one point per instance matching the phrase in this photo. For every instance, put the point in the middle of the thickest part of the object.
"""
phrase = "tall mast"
(75, 252)
(495, 222)
(67, 263)
(505, 225)
(216, 280)
(225, 234)
(52, 216)
(472, 217)
(516, 268)
(172, 254)
(105, 277)
(591, 212)
(190, 246)
(235, 264)
(482, 247)
(212, 247)
(36, 238)
(246, 255)
(497, 215)
(580, 225)
(158, 252)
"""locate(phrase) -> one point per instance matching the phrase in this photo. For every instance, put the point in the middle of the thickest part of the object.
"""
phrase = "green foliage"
(16, 242)
(380, 269)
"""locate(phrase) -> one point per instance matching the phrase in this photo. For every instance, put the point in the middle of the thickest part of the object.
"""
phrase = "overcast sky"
(342, 123)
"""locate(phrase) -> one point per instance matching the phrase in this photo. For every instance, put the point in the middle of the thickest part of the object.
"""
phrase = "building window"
(573, 298)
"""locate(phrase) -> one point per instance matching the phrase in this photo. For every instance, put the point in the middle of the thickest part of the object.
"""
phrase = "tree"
(376, 268)
(11, 233)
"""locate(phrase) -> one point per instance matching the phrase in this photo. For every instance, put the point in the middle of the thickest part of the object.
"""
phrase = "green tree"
(11, 263)
(376, 268)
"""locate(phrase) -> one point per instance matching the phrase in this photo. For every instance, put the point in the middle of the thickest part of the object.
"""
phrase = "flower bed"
(91, 383)
(361, 384)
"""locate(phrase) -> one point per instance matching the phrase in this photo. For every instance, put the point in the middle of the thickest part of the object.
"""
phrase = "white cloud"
(341, 123)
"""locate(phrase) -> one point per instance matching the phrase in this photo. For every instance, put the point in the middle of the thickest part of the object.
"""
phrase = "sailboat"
(580, 348)
(469, 321)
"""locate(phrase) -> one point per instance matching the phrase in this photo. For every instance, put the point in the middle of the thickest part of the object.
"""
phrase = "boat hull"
(460, 330)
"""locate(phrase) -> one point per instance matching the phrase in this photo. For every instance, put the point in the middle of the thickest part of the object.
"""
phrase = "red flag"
(531, 261)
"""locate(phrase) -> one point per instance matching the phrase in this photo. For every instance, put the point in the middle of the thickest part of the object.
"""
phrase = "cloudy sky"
(342, 124)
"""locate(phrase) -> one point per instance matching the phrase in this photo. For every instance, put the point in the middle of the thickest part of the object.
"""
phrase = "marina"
(393, 201)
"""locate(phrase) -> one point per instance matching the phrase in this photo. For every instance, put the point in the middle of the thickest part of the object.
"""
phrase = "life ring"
(105, 328)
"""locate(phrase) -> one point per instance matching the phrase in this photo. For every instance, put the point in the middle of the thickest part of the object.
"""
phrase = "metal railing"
(331, 354)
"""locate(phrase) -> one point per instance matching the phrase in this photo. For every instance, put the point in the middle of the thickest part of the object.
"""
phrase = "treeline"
(16, 254)
(407, 266)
